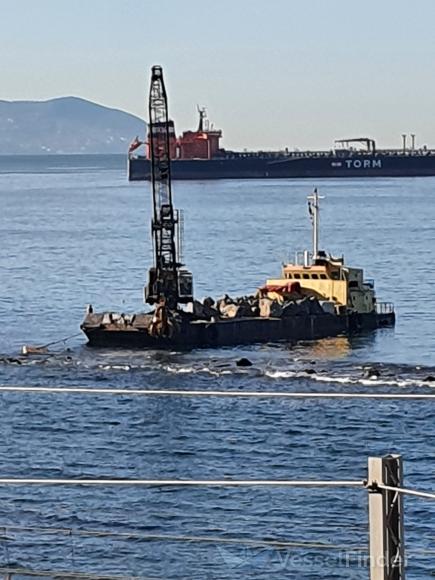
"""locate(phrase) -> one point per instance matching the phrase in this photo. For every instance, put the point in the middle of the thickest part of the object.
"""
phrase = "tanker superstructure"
(198, 155)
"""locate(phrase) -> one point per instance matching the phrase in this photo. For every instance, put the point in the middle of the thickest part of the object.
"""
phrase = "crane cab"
(175, 286)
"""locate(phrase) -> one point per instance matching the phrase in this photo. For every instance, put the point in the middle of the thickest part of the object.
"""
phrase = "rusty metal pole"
(387, 561)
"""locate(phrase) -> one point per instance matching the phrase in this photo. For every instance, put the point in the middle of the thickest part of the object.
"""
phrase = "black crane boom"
(167, 280)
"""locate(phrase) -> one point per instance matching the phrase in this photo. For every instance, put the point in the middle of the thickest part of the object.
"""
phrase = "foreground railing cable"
(185, 538)
(136, 535)
(58, 574)
(404, 491)
(184, 482)
(214, 393)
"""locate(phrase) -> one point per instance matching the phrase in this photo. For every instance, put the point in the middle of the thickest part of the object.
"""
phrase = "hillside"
(65, 125)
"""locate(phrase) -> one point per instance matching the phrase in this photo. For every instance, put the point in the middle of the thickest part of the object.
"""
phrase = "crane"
(168, 281)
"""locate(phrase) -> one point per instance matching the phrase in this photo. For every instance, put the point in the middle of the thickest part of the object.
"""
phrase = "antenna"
(202, 119)
(314, 211)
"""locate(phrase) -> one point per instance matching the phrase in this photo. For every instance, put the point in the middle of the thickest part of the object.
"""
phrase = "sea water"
(73, 231)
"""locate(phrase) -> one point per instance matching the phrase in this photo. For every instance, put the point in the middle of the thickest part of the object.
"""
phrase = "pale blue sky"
(274, 73)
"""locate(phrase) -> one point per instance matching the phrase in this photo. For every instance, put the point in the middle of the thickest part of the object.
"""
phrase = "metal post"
(404, 141)
(315, 225)
(314, 208)
(386, 519)
(412, 141)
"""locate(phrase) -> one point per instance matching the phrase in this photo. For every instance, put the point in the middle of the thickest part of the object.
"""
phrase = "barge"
(317, 296)
(305, 309)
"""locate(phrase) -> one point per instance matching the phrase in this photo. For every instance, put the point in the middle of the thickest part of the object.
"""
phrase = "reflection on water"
(331, 348)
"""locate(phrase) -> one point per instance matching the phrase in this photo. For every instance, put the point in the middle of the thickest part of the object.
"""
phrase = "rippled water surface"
(73, 231)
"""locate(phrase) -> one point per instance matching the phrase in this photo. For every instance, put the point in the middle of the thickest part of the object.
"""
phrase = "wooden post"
(386, 519)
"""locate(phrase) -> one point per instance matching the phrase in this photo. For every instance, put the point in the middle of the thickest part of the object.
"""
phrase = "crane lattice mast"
(166, 280)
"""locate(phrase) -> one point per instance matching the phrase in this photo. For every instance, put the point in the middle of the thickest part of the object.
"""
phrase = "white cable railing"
(10, 573)
(213, 393)
(383, 484)
(207, 539)
(183, 482)
(404, 491)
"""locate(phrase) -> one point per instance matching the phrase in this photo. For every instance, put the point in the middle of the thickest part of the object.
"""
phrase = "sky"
(272, 73)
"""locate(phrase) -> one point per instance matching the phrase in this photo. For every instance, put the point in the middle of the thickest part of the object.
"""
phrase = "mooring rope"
(61, 340)
(27, 349)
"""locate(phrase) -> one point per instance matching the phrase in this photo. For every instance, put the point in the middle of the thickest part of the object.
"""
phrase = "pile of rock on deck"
(261, 305)
(254, 306)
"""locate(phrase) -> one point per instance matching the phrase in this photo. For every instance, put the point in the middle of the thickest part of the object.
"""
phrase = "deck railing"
(384, 307)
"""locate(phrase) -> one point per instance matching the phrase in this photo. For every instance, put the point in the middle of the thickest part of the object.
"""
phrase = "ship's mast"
(202, 119)
(314, 210)
(164, 277)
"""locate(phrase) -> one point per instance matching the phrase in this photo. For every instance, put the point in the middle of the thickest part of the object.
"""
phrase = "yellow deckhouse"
(323, 276)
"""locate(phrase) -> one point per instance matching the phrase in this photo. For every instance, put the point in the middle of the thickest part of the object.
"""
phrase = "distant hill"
(65, 125)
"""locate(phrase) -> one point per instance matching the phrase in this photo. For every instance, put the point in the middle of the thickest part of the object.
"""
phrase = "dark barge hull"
(237, 331)
(321, 165)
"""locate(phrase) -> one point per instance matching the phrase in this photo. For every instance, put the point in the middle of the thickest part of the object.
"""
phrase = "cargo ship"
(198, 155)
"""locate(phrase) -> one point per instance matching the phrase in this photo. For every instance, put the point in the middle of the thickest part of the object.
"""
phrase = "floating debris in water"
(27, 349)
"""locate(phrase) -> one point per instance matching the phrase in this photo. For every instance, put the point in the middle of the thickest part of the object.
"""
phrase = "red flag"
(134, 145)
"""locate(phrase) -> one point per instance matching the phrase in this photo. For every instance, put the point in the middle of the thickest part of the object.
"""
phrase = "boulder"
(208, 302)
(269, 308)
(223, 302)
(244, 362)
(315, 306)
(201, 311)
(230, 310)
(327, 306)
(371, 373)
(290, 309)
